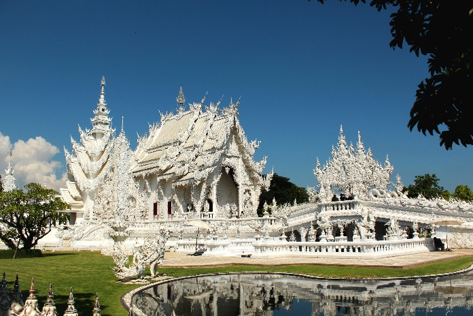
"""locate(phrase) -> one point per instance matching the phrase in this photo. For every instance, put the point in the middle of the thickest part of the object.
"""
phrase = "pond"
(287, 294)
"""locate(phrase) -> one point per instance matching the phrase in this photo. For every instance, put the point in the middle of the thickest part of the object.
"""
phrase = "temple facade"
(198, 163)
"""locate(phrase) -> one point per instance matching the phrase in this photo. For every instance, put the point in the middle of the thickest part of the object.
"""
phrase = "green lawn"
(89, 273)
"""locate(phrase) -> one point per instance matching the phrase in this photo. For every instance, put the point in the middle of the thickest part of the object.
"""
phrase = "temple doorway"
(380, 230)
(227, 189)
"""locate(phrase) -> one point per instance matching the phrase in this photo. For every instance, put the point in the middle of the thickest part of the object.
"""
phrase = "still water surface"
(283, 294)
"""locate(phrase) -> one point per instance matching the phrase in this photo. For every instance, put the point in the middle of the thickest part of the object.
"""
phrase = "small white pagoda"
(9, 181)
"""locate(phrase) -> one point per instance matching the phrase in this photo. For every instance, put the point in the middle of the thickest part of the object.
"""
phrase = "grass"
(89, 273)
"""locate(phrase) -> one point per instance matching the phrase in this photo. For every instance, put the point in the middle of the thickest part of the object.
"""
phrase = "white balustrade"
(365, 248)
(217, 246)
(340, 205)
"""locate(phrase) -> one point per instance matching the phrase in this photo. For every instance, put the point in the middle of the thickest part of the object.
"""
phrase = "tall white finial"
(9, 180)
(102, 93)
(123, 124)
(180, 98)
(101, 121)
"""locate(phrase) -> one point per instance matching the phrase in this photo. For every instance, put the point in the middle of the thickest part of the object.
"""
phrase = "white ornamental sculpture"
(351, 171)
(11, 303)
(100, 187)
(71, 309)
(31, 304)
(49, 308)
(119, 197)
(89, 162)
(150, 253)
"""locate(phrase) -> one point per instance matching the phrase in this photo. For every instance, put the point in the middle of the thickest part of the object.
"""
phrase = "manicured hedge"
(8, 254)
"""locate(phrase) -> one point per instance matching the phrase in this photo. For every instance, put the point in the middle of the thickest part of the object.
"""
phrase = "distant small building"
(9, 181)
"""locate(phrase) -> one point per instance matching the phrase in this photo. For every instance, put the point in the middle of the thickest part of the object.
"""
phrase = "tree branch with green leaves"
(27, 216)
(442, 30)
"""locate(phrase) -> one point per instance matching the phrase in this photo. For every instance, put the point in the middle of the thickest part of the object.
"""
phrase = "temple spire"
(9, 180)
(180, 98)
(102, 93)
(101, 121)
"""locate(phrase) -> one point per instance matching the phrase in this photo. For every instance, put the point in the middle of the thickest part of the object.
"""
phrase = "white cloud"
(32, 161)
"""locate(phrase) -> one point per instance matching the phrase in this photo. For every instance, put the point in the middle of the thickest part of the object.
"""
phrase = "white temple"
(194, 175)
(199, 162)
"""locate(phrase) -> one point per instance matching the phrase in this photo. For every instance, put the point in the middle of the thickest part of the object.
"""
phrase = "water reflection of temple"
(261, 294)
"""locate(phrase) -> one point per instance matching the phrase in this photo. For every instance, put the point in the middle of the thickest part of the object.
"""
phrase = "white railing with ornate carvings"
(216, 246)
(305, 213)
(340, 205)
(365, 248)
(188, 245)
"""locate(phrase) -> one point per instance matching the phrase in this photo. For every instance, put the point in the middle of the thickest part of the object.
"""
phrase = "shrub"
(21, 253)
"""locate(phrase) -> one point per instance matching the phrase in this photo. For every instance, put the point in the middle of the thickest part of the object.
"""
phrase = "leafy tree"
(463, 192)
(427, 185)
(28, 216)
(283, 191)
(441, 30)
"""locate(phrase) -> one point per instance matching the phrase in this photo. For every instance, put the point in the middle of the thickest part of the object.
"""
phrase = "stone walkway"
(180, 260)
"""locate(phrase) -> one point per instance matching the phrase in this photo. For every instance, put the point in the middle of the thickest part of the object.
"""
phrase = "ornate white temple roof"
(187, 145)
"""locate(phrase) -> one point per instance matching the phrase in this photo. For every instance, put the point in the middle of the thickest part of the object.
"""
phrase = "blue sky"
(302, 69)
